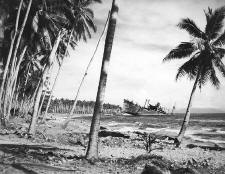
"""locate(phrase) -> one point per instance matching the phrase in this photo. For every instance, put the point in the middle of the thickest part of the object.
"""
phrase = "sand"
(111, 149)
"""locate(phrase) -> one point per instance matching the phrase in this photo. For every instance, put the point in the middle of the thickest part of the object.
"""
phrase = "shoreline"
(126, 147)
(192, 134)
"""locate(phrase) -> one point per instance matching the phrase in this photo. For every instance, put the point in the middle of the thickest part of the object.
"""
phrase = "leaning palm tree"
(92, 149)
(72, 16)
(205, 54)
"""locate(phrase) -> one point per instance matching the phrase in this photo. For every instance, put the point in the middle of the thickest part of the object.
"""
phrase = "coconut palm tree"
(82, 23)
(92, 150)
(78, 21)
(204, 52)
(40, 31)
(11, 71)
(46, 19)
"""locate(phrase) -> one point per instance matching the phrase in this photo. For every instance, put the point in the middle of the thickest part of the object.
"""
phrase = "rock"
(112, 134)
(185, 171)
(163, 167)
(204, 145)
(153, 169)
(102, 128)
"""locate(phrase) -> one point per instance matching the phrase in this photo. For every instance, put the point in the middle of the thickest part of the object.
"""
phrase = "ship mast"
(174, 107)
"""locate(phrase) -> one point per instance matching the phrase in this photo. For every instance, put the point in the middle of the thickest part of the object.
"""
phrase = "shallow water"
(202, 127)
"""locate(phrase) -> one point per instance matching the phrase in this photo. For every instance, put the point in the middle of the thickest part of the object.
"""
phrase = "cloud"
(145, 33)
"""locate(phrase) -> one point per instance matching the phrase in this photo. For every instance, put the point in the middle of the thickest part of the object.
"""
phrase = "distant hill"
(201, 110)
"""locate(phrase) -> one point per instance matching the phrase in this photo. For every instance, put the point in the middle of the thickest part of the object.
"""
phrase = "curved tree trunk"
(44, 95)
(66, 122)
(23, 90)
(14, 81)
(92, 151)
(14, 57)
(8, 61)
(40, 88)
(187, 114)
(56, 78)
(36, 102)
(10, 82)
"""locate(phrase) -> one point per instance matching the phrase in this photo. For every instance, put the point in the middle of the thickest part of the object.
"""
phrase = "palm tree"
(82, 23)
(66, 122)
(13, 59)
(42, 26)
(78, 18)
(204, 52)
(92, 151)
(40, 88)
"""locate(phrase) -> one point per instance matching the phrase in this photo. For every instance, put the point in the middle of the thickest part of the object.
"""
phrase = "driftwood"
(39, 151)
(106, 133)
(215, 147)
(25, 167)
(6, 144)
(40, 165)
(22, 168)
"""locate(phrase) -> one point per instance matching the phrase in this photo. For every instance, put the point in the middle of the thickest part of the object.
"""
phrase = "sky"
(146, 32)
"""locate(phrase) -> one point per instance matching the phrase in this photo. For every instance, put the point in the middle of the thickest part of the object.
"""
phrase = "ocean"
(202, 127)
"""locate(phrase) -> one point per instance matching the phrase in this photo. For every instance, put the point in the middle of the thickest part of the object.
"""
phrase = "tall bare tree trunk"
(57, 75)
(40, 88)
(14, 81)
(36, 102)
(14, 58)
(92, 151)
(10, 82)
(66, 122)
(7, 63)
(44, 95)
(23, 90)
(187, 114)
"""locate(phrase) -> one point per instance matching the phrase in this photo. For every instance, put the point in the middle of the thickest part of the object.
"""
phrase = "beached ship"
(132, 108)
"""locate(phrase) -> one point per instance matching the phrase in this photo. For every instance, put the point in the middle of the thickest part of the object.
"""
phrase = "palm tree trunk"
(187, 114)
(10, 80)
(8, 61)
(15, 81)
(36, 102)
(30, 102)
(92, 151)
(56, 78)
(40, 88)
(66, 122)
(44, 95)
(23, 90)
(18, 41)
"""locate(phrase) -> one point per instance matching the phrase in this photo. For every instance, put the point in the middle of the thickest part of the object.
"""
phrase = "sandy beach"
(122, 147)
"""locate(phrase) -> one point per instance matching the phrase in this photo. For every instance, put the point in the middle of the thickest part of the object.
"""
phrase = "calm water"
(203, 127)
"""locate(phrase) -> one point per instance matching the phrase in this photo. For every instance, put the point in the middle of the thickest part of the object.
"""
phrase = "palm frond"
(89, 12)
(208, 14)
(215, 23)
(183, 50)
(213, 78)
(220, 41)
(219, 52)
(205, 68)
(189, 68)
(219, 64)
(190, 26)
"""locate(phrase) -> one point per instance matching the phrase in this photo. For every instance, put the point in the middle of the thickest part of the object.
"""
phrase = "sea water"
(202, 127)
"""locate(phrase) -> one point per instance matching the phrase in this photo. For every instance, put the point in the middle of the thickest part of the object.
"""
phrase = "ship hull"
(147, 113)
(136, 110)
